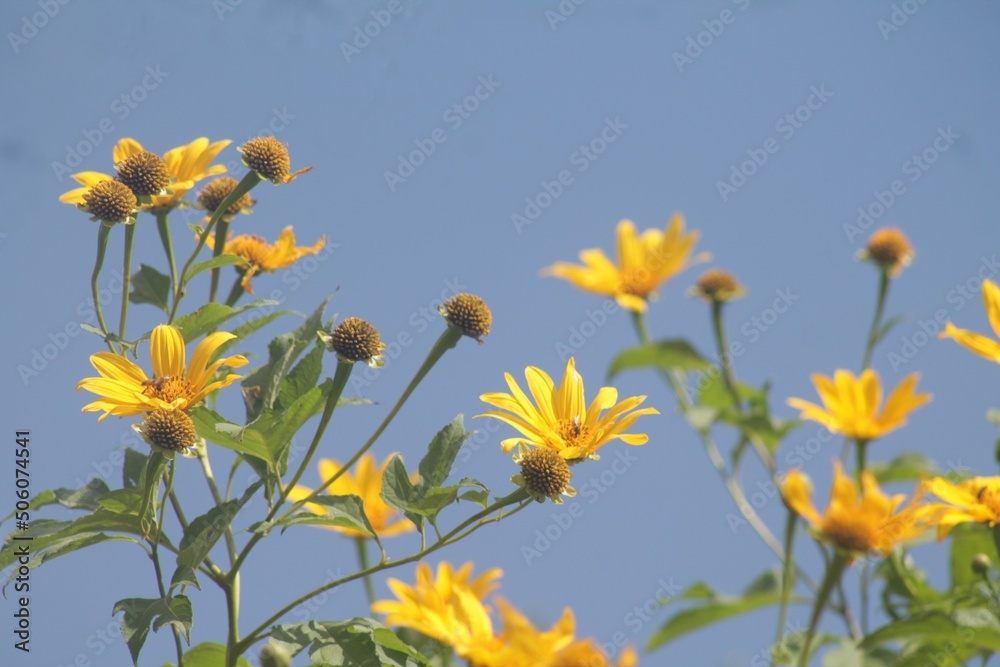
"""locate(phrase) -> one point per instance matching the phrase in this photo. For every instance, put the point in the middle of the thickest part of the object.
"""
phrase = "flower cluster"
(451, 608)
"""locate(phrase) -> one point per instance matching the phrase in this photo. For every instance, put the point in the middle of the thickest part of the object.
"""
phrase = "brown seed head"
(469, 313)
(268, 157)
(215, 191)
(355, 339)
(110, 201)
(718, 285)
(890, 249)
(145, 173)
(545, 473)
(170, 429)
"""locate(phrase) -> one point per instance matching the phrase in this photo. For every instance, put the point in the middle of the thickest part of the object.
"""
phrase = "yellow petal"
(797, 493)
(126, 148)
(981, 345)
(991, 300)
(166, 347)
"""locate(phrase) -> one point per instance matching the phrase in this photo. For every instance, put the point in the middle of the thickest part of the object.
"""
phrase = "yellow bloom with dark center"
(126, 390)
(560, 419)
(976, 500)
(982, 345)
(851, 405)
(716, 285)
(366, 483)
(645, 262)
(449, 608)
(869, 523)
(186, 164)
(261, 256)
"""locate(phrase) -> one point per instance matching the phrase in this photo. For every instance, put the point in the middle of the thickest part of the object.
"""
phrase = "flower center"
(167, 388)
(574, 433)
(853, 532)
(251, 247)
(636, 282)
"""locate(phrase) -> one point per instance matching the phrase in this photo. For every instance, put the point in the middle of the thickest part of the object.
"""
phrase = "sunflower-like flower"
(449, 608)
(562, 421)
(644, 263)
(976, 500)
(261, 256)
(367, 485)
(982, 345)
(867, 524)
(186, 165)
(126, 390)
(452, 609)
(269, 159)
(851, 404)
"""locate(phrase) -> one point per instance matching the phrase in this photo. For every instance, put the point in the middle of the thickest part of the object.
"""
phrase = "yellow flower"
(187, 165)
(644, 263)
(858, 525)
(976, 499)
(526, 646)
(367, 485)
(562, 421)
(851, 404)
(982, 345)
(449, 608)
(263, 256)
(126, 390)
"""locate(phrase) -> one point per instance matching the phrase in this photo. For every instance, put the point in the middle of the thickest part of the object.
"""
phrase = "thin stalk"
(447, 340)
(206, 467)
(340, 377)
(126, 277)
(155, 557)
(728, 378)
(787, 578)
(362, 548)
(520, 497)
(163, 227)
(244, 186)
(833, 572)
(235, 292)
(221, 232)
(103, 231)
(883, 291)
(232, 590)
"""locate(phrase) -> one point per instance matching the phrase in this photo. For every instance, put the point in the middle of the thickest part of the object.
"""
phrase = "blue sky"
(784, 132)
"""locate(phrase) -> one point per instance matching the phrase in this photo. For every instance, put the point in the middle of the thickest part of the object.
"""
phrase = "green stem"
(154, 555)
(206, 467)
(340, 377)
(244, 186)
(221, 232)
(232, 590)
(519, 496)
(883, 291)
(103, 231)
(362, 547)
(448, 339)
(787, 579)
(833, 572)
(126, 277)
(861, 458)
(235, 292)
(163, 227)
(725, 360)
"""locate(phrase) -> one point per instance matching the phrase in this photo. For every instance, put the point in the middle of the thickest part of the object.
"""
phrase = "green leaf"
(711, 607)
(907, 467)
(967, 540)
(398, 491)
(342, 511)
(208, 654)
(84, 498)
(139, 613)
(479, 494)
(54, 548)
(304, 376)
(278, 427)
(185, 575)
(432, 500)
(282, 353)
(215, 262)
(247, 328)
(149, 487)
(357, 642)
(122, 501)
(970, 627)
(701, 418)
(847, 654)
(441, 453)
(202, 534)
(132, 468)
(216, 429)
(150, 286)
(211, 315)
(665, 354)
